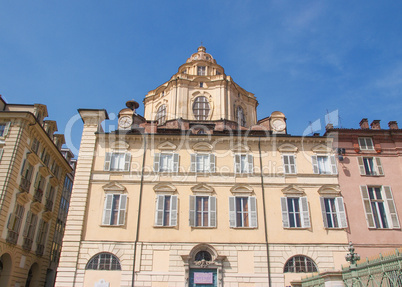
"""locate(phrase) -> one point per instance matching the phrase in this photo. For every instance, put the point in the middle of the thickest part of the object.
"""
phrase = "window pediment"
(119, 145)
(329, 190)
(165, 187)
(240, 148)
(321, 149)
(242, 188)
(293, 190)
(167, 146)
(288, 148)
(114, 186)
(202, 146)
(203, 188)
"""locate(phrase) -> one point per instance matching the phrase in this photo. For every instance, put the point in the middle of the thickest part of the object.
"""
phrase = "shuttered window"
(333, 212)
(324, 164)
(202, 163)
(202, 211)
(166, 162)
(366, 144)
(370, 166)
(243, 211)
(114, 211)
(243, 163)
(117, 161)
(289, 163)
(166, 210)
(295, 212)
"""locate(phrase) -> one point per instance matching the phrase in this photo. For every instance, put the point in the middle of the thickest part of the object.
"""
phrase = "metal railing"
(38, 195)
(27, 244)
(12, 237)
(24, 184)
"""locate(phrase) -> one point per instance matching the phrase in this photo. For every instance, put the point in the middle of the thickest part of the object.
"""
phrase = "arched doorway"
(33, 276)
(5, 269)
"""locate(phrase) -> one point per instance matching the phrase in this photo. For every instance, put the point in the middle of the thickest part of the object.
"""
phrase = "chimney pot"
(375, 125)
(364, 124)
(393, 125)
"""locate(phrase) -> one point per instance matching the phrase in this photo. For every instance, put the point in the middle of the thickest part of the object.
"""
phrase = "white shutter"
(107, 210)
(292, 163)
(361, 165)
(27, 224)
(192, 210)
(212, 211)
(193, 165)
(108, 157)
(315, 164)
(324, 212)
(160, 203)
(175, 162)
(173, 210)
(285, 214)
(232, 211)
(367, 206)
(391, 207)
(253, 211)
(305, 212)
(212, 163)
(127, 161)
(285, 160)
(237, 163)
(250, 168)
(334, 169)
(122, 209)
(380, 170)
(341, 214)
(157, 162)
(6, 129)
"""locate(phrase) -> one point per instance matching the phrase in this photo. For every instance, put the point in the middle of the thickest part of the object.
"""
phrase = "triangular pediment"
(240, 148)
(329, 190)
(242, 188)
(202, 187)
(287, 148)
(293, 190)
(167, 146)
(165, 187)
(202, 146)
(321, 149)
(113, 186)
(119, 145)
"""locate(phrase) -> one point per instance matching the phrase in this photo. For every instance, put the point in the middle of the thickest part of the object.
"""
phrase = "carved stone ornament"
(33, 158)
(36, 207)
(47, 216)
(44, 171)
(53, 181)
(23, 198)
(203, 263)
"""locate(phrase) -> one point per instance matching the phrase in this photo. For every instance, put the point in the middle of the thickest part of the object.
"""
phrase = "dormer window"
(201, 70)
(201, 108)
(366, 144)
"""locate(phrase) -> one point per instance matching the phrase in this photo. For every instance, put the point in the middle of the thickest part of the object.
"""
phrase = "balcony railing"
(49, 205)
(27, 244)
(40, 248)
(24, 184)
(38, 195)
(12, 237)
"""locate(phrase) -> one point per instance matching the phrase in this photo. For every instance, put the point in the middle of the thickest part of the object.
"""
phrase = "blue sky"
(303, 58)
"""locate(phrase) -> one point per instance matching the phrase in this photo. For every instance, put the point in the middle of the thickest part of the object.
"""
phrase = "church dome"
(201, 55)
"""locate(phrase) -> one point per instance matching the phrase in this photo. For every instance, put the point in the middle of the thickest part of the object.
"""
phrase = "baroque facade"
(198, 192)
(33, 173)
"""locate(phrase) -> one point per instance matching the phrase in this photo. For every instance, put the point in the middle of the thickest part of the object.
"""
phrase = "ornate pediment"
(36, 207)
(165, 187)
(287, 148)
(293, 190)
(240, 148)
(114, 186)
(167, 146)
(202, 146)
(241, 188)
(53, 181)
(44, 171)
(329, 190)
(321, 149)
(47, 216)
(23, 198)
(203, 188)
(119, 145)
(33, 158)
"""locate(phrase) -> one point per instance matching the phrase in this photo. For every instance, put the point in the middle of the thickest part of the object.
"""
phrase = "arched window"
(201, 108)
(103, 261)
(240, 116)
(161, 115)
(300, 264)
(203, 255)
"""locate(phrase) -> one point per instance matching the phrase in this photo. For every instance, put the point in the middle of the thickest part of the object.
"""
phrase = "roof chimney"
(364, 124)
(393, 125)
(375, 125)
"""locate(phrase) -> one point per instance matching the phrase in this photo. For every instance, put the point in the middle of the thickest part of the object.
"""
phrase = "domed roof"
(201, 55)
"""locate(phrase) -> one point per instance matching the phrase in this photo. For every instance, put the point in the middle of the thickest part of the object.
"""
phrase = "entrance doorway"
(203, 278)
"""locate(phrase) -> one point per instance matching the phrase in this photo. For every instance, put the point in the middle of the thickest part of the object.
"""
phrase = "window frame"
(98, 259)
(289, 164)
(251, 212)
(6, 129)
(201, 70)
(211, 211)
(307, 261)
(201, 108)
(208, 165)
(109, 161)
(109, 209)
(303, 211)
(240, 116)
(338, 212)
(330, 164)
(162, 209)
(366, 140)
(364, 167)
(248, 167)
(160, 116)
(174, 163)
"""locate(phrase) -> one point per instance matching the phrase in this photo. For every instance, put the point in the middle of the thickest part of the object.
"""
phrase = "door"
(203, 278)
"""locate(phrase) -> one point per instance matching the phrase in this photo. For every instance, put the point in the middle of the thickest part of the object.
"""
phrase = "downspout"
(265, 214)
(139, 209)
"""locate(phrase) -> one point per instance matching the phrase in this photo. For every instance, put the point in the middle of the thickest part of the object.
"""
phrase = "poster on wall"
(203, 278)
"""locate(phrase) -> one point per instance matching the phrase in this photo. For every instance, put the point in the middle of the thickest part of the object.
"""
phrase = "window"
(300, 264)
(366, 144)
(240, 116)
(45, 157)
(333, 212)
(203, 255)
(166, 210)
(201, 108)
(49, 197)
(35, 145)
(29, 230)
(161, 115)
(201, 70)
(243, 163)
(202, 211)
(26, 175)
(379, 206)
(117, 161)
(289, 163)
(295, 212)
(202, 163)
(166, 162)
(41, 237)
(114, 211)
(324, 164)
(39, 187)
(370, 166)
(201, 84)
(14, 223)
(4, 127)
(103, 261)
(243, 211)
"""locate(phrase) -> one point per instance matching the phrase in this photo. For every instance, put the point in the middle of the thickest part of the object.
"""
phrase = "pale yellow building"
(199, 193)
(32, 180)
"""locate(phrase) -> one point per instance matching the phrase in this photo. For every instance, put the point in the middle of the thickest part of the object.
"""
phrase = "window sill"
(113, 226)
(164, 226)
(296, 228)
(203, 227)
(372, 175)
(243, 228)
(335, 228)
